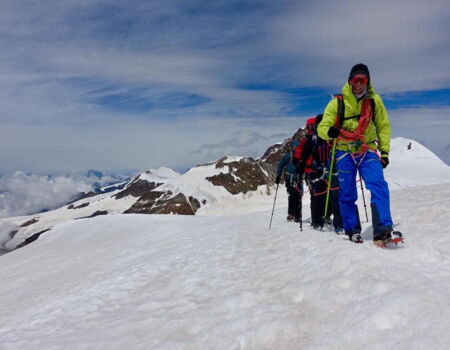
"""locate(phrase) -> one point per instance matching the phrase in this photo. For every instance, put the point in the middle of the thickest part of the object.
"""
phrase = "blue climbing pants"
(371, 171)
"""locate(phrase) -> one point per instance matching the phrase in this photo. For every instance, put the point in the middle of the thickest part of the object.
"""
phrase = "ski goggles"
(359, 79)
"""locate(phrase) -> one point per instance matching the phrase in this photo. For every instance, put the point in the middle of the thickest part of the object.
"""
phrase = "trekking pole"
(273, 208)
(301, 213)
(333, 152)
(364, 199)
(300, 205)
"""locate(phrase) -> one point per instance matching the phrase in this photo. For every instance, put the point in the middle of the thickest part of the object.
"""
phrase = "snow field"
(205, 282)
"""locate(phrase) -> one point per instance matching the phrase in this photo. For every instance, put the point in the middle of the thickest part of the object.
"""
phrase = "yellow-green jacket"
(378, 130)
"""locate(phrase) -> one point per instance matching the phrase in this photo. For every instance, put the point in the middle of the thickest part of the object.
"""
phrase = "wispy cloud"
(245, 143)
(132, 144)
(404, 45)
(107, 79)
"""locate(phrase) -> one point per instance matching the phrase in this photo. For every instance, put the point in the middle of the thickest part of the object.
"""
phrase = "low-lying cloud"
(6, 229)
(25, 194)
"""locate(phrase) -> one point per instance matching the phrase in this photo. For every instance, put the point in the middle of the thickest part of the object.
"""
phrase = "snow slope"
(414, 167)
(82, 208)
(209, 282)
(194, 183)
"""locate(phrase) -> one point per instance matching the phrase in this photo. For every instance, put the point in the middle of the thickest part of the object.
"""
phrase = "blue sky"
(119, 85)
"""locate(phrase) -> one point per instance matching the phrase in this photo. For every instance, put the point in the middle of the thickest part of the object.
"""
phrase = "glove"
(333, 132)
(384, 159)
(277, 180)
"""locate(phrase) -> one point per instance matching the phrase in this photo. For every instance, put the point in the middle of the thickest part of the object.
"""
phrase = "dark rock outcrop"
(82, 195)
(242, 176)
(94, 214)
(82, 205)
(29, 222)
(32, 238)
(274, 153)
(247, 174)
(137, 188)
(157, 202)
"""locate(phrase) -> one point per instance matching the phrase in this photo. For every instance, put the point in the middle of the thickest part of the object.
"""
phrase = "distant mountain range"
(165, 191)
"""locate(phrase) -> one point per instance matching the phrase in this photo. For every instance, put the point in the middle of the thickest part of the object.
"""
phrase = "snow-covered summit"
(194, 183)
(160, 175)
(412, 164)
(204, 185)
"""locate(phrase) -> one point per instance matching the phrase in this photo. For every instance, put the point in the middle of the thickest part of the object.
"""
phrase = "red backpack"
(298, 152)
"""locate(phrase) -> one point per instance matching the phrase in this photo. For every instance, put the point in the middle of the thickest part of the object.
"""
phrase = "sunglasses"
(359, 79)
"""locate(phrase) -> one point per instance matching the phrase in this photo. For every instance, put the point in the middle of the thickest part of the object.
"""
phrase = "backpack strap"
(340, 110)
(372, 102)
(340, 117)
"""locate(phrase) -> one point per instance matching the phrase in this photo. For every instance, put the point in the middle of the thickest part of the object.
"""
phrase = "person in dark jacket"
(292, 181)
(316, 151)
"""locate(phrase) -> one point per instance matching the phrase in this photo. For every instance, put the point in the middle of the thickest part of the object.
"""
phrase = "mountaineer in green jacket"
(359, 122)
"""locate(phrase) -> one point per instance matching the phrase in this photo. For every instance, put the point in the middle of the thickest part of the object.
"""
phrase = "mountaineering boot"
(290, 218)
(356, 238)
(396, 234)
(317, 227)
(387, 237)
(383, 236)
(339, 230)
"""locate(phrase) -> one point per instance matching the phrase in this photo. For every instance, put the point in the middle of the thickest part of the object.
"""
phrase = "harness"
(320, 155)
(356, 137)
(292, 178)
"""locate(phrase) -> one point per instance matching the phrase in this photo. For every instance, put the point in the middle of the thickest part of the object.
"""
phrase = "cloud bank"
(24, 194)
